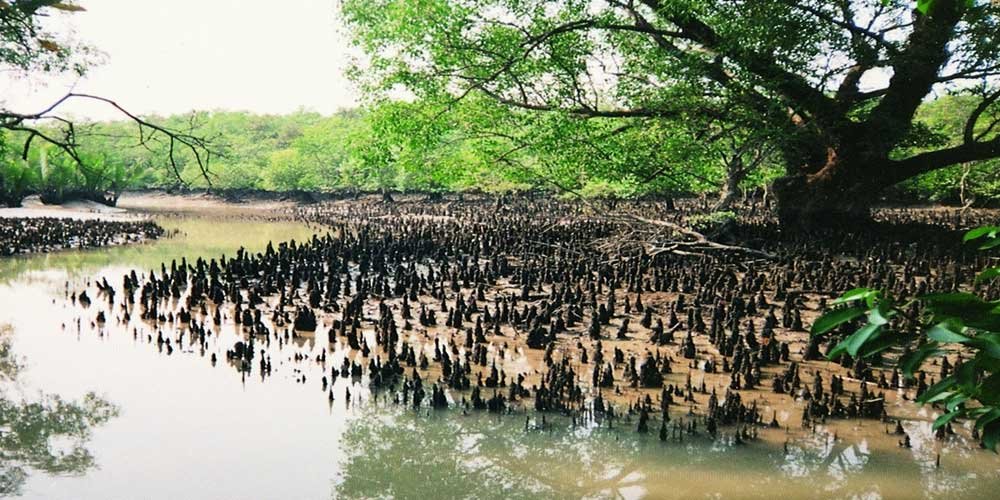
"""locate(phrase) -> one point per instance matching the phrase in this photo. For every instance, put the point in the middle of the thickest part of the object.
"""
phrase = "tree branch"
(791, 86)
(925, 162)
(969, 131)
(915, 71)
(201, 148)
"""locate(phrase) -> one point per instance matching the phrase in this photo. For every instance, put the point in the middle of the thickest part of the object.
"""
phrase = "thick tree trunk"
(839, 194)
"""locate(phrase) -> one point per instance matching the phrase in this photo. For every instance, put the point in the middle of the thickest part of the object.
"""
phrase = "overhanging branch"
(202, 149)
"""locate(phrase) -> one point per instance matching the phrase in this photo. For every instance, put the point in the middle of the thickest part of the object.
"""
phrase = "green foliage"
(27, 44)
(17, 179)
(944, 119)
(412, 146)
(568, 96)
(58, 175)
(925, 6)
(957, 320)
(579, 93)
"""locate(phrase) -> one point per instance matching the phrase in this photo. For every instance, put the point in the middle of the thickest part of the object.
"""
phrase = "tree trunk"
(963, 197)
(840, 194)
(735, 173)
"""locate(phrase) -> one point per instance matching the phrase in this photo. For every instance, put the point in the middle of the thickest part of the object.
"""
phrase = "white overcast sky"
(173, 56)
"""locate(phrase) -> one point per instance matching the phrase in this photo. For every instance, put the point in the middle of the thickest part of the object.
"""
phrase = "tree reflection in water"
(42, 432)
(394, 452)
(397, 453)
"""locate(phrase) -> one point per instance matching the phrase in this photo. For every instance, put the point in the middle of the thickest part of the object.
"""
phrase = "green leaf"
(990, 233)
(853, 295)
(989, 388)
(990, 244)
(943, 332)
(880, 315)
(990, 415)
(911, 362)
(858, 338)
(979, 232)
(938, 397)
(924, 6)
(991, 434)
(947, 417)
(837, 350)
(965, 376)
(935, 391)
(952, 298)
(832, 319)
(987, 344)
(973, 311)
(988, 274)
(955, 401)
(881, 341)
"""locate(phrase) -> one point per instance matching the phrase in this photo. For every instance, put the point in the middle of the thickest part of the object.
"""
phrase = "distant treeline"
(403, 146)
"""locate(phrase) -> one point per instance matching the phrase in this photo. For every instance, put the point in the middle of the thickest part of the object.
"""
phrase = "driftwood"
(655, 236)
(691, 242)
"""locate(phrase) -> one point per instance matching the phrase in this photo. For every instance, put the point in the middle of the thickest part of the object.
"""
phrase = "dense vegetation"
(833, 87)
(828, 107)
(394, 146)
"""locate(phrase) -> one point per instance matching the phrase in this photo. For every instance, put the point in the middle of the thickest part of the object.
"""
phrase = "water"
(183, 428)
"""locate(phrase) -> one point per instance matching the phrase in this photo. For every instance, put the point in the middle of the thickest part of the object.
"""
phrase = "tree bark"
(837, 193)
(736, 172)
(837, 172)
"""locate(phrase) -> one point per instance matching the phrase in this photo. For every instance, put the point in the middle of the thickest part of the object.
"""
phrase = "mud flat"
(453, 346)
(522, 305)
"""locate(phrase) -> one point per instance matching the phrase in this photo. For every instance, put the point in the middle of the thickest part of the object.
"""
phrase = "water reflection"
(42, 432)
(399, 453)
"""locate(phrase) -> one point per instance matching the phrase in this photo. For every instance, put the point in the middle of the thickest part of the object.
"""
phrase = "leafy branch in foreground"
(931, 325)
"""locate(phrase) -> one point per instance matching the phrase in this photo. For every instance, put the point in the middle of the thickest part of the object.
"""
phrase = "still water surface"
(188, 429)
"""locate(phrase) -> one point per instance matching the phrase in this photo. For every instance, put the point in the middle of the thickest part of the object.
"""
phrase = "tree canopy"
(824, 104)
(835, 86)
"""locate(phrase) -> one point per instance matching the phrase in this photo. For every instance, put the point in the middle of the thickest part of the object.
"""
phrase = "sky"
(172, 56)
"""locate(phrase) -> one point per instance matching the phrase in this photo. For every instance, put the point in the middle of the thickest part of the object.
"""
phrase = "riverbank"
(32, 207)
(36, 227)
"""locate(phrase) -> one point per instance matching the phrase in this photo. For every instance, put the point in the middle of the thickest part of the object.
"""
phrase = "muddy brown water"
(188, 429)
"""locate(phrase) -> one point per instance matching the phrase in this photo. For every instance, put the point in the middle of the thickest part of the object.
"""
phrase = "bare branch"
(200, 148)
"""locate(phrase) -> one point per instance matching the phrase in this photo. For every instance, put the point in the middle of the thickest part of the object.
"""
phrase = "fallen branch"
(697, 240)
(695, 244)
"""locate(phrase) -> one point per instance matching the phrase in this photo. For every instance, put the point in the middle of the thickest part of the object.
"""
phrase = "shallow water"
(188, 429)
